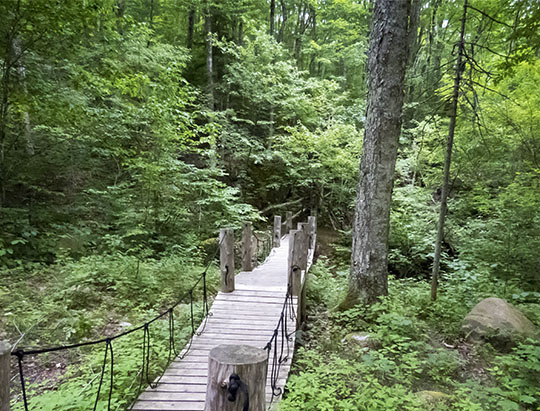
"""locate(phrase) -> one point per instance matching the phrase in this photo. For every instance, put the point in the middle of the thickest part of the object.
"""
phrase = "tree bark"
(9, 63)
(387, 59)
(448, 157)
(248, 363)
(226, 259)
(191, 25)
(209, 57)
(5, 351)
(284, 17)
(272, 16)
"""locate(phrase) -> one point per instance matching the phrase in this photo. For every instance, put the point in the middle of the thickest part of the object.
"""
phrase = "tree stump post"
(312, 231)
(304, 238)
(5, 352)
(250, 364)
(226, 259)
(295, 270)
(247, 247)
(288, 221)
(276, 242)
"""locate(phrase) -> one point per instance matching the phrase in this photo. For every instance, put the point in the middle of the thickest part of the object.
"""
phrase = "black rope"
(280, 342)
(111, 387)
(20, 356)
(102, 375)
(172, 348)
(143, 363)
(266, 246)
(146, 346)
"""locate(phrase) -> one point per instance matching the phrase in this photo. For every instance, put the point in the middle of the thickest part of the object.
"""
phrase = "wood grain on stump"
(249, 363)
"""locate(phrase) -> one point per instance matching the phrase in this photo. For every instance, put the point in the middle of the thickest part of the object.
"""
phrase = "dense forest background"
(132, 130)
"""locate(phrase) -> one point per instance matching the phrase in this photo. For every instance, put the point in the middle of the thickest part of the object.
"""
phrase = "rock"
(498, 322)
(433, 397)
(361, 340)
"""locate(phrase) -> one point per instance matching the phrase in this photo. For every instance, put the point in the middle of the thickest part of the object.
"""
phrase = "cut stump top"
(234, 354)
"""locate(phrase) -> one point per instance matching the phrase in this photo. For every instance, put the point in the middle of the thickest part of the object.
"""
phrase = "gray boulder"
(362, 340)
(498, 322)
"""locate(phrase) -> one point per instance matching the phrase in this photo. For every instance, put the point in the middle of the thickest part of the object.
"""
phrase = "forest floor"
(416, 356)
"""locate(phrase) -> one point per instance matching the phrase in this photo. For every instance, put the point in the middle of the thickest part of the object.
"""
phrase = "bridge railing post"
(276, 241)
(236, 366)
(226, 259)
(288, 221)
(312, 231)
(304, 246)
(295, 269)
(247, 247)
(5, 352)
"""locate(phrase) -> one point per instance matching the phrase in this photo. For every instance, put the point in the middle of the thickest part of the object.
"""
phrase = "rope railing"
(263, 245)
(279, 348)
(280, 344)
(108, 355)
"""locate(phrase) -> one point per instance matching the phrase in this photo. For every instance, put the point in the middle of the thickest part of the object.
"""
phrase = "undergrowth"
(89, 299)
(416, 348)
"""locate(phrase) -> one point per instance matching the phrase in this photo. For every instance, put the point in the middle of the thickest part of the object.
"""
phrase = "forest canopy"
(131, 131)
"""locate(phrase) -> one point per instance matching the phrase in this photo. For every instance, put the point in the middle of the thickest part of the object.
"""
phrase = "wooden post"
(250, 364)
(302, 303)
(277, 231)
(295, 270)
(226, 259)
(5, 352)
(303, 246)
(247, 247)
(288, 221)
(312, 231)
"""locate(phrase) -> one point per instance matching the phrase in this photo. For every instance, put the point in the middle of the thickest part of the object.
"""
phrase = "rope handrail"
(146, 346)
(266, 244)
(280, 342)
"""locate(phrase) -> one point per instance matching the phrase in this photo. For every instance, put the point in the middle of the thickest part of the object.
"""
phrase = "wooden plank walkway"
(247, 316)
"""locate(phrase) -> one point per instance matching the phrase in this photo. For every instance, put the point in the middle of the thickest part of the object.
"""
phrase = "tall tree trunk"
(272, 16)
(191, 25)
(240, 33)
(9, 63)
(414, 37)
(448, 157)
(209, 56)
(120, 8)
(151, 19)
(386, 66)
(21, 74)
(4, 109)
(283, 21)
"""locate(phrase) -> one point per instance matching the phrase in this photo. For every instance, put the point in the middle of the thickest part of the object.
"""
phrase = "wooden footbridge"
(259, 309)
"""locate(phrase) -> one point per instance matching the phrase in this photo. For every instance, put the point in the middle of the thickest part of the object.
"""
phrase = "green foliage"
(83, 300)
(334, 383)
(410, 352)
(71, 301)
(410, 242)
(115, 173)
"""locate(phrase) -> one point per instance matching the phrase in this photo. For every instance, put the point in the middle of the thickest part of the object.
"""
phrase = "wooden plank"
(248, 315)
(179, 388)
(172, 396)
(169, 405)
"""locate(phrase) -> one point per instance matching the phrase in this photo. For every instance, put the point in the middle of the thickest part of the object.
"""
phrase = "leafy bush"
(411, 353)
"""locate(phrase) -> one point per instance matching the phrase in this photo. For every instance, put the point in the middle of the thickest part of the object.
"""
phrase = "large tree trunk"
(448, 157)
(386, 72)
